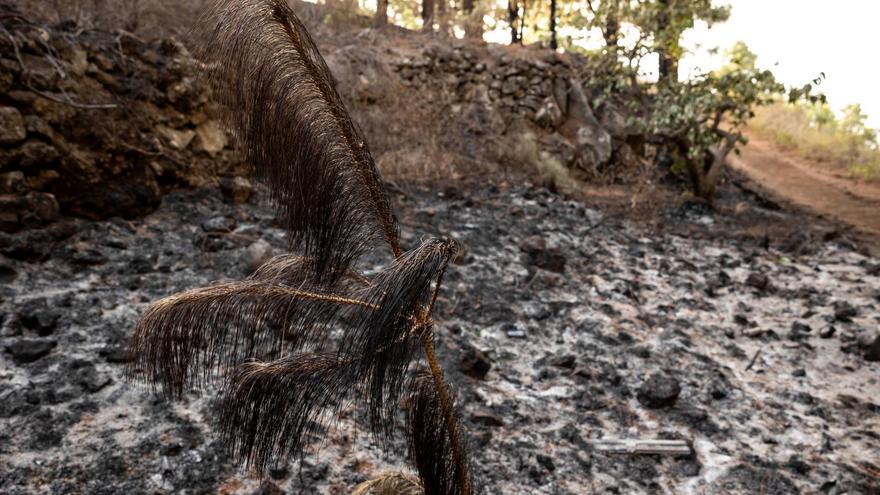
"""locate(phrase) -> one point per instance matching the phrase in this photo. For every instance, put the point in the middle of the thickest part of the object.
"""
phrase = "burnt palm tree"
(267, 334)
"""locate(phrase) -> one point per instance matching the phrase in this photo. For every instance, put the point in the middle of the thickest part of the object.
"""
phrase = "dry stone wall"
(100, 125)
(544, 89)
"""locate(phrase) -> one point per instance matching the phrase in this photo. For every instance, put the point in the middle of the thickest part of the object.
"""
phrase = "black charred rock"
(474, 362)
(541, 256)
(29, 350)
(759, 281)
(38, 316)
(659, 391)
(844, 311)
(870, 346)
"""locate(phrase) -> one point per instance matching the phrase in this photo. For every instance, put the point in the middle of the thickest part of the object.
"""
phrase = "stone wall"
(100, 125)
(543, 88)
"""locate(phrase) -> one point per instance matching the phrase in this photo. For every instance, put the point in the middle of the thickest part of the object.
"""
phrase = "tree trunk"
(705, 179)
(442, 17)
(427, 15)
(522, 22)
(668, 62)
(611, 31)
(381, 18)
(512, 16)
(553, 44)
(473, 21)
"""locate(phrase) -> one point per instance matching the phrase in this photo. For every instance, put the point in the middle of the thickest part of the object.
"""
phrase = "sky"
(798, 39)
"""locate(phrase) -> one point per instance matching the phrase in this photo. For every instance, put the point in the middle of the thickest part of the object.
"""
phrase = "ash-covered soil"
(761, 357)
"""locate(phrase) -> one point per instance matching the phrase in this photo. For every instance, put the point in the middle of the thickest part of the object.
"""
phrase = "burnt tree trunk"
(553, 44)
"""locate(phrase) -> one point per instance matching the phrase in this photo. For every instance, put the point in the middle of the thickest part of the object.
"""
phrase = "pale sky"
(797, 39)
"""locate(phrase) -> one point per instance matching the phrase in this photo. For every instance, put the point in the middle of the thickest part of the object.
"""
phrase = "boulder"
(593, 142)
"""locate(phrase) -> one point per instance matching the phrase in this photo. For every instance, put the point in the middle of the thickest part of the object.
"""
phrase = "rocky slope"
(559, 326)
(97, 124)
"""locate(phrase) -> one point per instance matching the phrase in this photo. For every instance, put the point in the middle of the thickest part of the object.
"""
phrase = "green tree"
(664, 21)
(701, 121)
(740, 58)
(854, 123)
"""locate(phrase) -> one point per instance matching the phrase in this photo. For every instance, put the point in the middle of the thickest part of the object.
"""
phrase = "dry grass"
(793, 128)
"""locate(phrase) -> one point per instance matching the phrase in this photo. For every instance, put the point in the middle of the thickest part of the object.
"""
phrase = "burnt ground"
(752, 343)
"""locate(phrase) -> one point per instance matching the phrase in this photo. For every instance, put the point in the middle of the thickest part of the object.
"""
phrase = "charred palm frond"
(392, 483)
(296, 132)
(434, 439)
(387, 338)
(181, 341)
(268, 406)
(270, 410)
(268, 333)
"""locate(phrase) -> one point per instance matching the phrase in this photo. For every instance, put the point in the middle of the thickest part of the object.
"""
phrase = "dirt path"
(793, 179)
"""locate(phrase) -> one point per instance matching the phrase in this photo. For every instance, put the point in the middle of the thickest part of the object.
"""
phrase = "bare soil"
(800, 182)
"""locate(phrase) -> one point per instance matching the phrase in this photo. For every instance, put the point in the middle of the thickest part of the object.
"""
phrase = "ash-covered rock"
(761, 414)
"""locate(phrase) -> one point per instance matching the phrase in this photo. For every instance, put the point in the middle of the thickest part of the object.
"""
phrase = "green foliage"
(666, 20)
(701, 120)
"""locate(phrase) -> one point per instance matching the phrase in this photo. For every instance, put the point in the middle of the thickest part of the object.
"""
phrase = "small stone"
(12, 128)
(659, 391)
(13, 183)
(38, 316)
(219, 225)
(210, 138)
(256, 254)
(827, 332)
(800, 372)
(115, 354)
(759, 281)
(486, 417)
(546, 462)
(474, 362)
(178, 139)
(844, 311)
(515, 333)
(539, 255)
(799, 331)
(37, 155)
(238, 189)
(29, 350)
(566, 361)
(870, 345)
